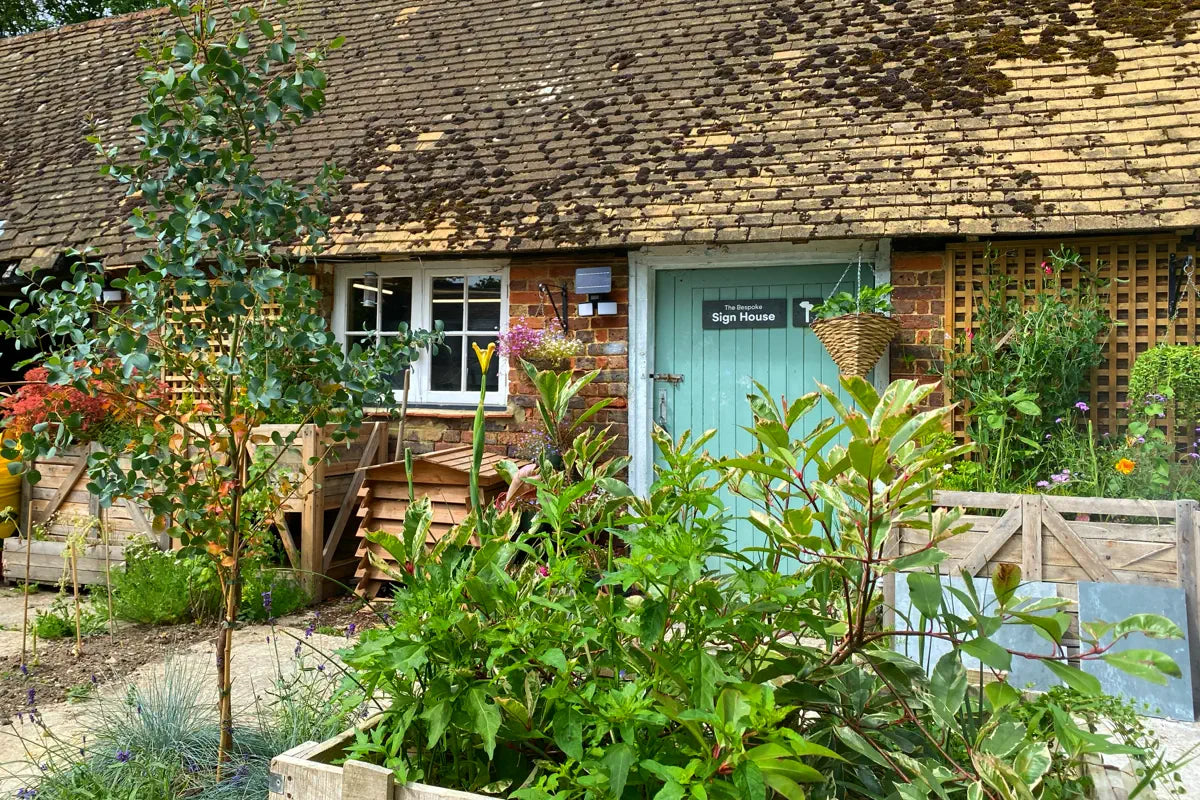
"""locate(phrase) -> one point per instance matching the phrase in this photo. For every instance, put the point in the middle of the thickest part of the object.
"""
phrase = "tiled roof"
(535, 124)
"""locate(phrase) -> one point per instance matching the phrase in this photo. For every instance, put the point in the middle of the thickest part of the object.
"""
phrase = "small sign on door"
(802, 311)
(722, 315)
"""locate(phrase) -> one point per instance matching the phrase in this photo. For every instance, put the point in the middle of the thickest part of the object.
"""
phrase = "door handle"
(662, 409)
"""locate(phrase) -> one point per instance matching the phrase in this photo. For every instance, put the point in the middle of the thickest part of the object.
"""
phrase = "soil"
(56, 675)
(56, 671)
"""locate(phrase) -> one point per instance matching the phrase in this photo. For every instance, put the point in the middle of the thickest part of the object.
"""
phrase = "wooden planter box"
(60, 502)
(48, 565)
(306, 773)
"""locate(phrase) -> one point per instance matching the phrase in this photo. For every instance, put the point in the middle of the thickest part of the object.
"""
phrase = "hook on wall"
(560, 313)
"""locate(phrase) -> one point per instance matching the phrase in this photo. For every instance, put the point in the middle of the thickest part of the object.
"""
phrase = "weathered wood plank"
(1003, 530)
(1031, 538)
(351, 496)
(1087, 559)
(1188, 526)
(68, 483)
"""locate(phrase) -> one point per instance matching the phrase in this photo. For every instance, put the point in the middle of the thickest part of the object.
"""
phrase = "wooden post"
(1031, 537)
(360, 779)
(1186, 520)
(312, 519)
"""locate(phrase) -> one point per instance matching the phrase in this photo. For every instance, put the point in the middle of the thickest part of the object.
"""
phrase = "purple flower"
(296, 652)
(1043, 484)
(1058, 421)
(266, 601)
(25, 793)
(123, 756)
(31, 695)
(320, 667)
(1082, 406)
(25, 669)
(350, 630)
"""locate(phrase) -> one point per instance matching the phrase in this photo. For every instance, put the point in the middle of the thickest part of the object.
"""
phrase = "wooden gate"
(1064, 540)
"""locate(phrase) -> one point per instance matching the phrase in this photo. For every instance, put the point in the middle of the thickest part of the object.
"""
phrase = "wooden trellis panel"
(1136, 268)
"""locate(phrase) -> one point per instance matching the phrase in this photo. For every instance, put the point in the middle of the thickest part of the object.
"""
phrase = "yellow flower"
(484, 356)
(1125, 466)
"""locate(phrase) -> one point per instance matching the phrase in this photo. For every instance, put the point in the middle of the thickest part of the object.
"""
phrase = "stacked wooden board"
(443, 476)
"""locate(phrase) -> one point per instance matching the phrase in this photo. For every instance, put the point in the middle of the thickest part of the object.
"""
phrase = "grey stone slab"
(1016, 637)
(1112, 602)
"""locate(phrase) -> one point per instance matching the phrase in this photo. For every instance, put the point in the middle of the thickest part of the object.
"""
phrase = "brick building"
(703, 151)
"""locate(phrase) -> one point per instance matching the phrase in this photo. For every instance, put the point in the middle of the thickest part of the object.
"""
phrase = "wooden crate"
(47, 563)
(1064, 540)
(307, 773)
(443, 476)
(60, 502)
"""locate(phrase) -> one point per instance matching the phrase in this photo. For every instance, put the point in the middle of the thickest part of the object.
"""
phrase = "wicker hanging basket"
(856, 341)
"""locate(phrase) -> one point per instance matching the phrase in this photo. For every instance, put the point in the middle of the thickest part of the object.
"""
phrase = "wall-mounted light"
(112, 295)
(595, 282)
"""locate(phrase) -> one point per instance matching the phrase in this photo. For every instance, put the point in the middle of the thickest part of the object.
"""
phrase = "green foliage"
(541, 666)
(24, 16)
(223, 294)
(1168, 374)
(58, 621)
(166, 588)
(869, 300)
(1021, 372)
(161, 588)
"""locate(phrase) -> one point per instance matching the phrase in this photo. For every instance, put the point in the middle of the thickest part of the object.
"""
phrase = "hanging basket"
(856, 341)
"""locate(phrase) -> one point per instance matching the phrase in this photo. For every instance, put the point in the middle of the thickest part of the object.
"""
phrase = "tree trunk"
(224, 666)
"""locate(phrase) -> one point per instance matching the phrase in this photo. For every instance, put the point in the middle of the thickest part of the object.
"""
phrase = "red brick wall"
(606, 348)
(919, 279)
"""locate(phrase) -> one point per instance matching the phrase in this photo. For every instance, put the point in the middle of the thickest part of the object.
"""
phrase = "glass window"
(470, 308)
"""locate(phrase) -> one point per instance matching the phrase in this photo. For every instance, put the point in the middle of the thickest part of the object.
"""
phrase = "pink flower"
(543, 571)
(1046, 268)
(970, 335)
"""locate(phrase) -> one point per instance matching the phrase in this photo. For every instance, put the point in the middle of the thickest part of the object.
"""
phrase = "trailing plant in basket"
(222, 290)
(868, 300)
(677, 667)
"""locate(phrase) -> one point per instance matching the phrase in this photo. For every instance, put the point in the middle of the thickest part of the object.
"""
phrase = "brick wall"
(919, 279)
(606, 347)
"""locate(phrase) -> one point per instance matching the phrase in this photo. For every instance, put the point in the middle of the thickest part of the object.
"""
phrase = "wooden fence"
(1064, 540)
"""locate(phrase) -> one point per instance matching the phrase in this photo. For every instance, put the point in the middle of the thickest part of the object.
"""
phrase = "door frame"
(644, 264)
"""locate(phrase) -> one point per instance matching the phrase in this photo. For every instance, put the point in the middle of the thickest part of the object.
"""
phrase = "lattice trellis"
(180, 385)
(1137, 269)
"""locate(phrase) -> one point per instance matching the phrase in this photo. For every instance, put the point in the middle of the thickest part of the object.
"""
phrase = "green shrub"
(1168, 373)
(548, 664)
(161, 588)
(58, 622)
(164, 588)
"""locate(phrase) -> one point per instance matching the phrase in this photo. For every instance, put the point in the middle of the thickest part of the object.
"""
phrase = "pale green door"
(716, 331)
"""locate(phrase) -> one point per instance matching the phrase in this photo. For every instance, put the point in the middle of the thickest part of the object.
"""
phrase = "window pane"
(397, 306)
(483, 303)
(362, 341)
(360, 317)
(445, 370)
(493, 376)
(447, 301)
(483, 315)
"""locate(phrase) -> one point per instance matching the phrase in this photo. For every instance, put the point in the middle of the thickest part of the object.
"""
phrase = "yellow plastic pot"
(10, 500)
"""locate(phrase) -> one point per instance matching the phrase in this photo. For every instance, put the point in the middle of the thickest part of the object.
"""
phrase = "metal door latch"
(667, 377)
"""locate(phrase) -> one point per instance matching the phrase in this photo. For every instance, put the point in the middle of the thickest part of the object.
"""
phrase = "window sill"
(447, 412)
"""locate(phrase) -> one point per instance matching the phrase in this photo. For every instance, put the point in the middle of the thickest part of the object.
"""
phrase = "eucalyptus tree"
(223, 297)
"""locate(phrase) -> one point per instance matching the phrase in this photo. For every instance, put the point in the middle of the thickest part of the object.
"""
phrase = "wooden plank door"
(703, 375)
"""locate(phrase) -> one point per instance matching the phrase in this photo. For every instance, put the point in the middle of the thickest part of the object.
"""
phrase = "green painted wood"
(719, 367)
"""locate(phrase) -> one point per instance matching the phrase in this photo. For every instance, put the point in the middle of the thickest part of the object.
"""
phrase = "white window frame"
(423, 276)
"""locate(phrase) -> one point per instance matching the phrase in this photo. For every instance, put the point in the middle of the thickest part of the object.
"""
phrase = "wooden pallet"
(443, 476)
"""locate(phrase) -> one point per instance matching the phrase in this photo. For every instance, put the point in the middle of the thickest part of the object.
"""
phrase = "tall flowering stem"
(485, 360)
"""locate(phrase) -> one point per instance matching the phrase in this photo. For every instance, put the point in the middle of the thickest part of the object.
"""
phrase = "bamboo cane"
(25, 618)
(112, 629)
(403, 416)
(75, 588)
